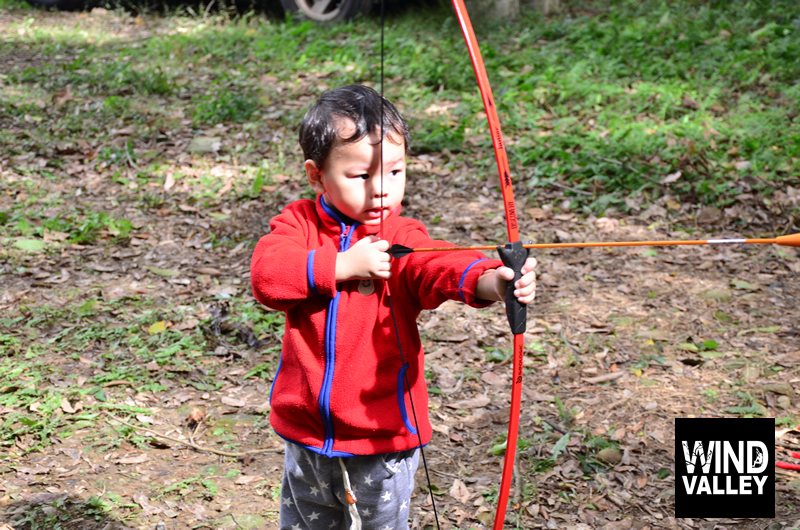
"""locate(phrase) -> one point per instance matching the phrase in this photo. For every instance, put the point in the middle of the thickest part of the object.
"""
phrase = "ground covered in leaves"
(135, 365)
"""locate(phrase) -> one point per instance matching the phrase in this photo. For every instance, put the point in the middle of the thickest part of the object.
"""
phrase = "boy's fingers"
(505, 273)
(526, 280)
(530, 264)
(366, 241)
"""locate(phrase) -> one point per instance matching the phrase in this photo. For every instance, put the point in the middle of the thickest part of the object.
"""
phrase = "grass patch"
(608, 103)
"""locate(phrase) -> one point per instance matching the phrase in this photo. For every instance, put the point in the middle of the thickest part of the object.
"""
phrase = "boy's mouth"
(375, 213)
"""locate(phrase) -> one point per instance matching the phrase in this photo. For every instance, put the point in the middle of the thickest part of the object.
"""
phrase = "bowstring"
(389, 294)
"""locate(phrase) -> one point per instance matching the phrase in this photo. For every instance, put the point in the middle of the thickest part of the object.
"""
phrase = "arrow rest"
(514, 256)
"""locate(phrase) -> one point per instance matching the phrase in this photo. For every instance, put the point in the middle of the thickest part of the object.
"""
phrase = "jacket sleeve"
(288, 265)
(435, 277)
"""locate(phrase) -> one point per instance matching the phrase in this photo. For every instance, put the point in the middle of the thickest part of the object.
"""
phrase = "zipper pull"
(343, 239)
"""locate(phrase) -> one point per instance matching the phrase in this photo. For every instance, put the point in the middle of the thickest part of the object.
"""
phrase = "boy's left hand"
(524, 288)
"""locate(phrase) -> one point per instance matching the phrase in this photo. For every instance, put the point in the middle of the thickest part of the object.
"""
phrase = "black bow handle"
(514, 256)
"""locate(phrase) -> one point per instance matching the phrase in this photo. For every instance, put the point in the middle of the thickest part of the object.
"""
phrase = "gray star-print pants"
(313, 496)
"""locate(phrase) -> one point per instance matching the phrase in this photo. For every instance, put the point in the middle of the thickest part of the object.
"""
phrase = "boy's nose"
(377, 187)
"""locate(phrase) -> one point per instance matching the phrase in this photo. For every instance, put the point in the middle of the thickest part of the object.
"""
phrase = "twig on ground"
(208, 8)
(568, 343)
(562, 186)
(787, 445)
(193, 445)
(130, 160)
(556, 426)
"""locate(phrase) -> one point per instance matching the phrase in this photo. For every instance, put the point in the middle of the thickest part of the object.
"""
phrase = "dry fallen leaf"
(604, 378)
(478, 401)
(247, 479)
(226, 187)
(140, 459)
(460, 492)
(607, 225)
(61, 97)
(689, 103)
(196, 415)
(233, 402)
(190, 323)
(169, 182)
(148, 508)
(38, 470)
(493, 379)
(66, 406)
(211, 271)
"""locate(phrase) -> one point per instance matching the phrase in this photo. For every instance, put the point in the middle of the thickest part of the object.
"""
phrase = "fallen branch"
(194, 445)
(787, 445)
(604, 378)
(556, 426)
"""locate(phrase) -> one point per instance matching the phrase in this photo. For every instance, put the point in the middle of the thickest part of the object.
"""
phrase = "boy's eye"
(364, 176)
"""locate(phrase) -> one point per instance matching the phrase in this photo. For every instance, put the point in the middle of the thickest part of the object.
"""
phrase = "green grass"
(609, 104)
(100, 343)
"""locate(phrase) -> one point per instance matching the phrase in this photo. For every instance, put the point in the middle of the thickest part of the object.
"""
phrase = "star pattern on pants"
(387, 496)
(287, 502)
(314, 491)
(313, 517)
(368, 480)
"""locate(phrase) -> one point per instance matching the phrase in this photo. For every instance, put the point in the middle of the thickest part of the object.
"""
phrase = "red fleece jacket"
(339, 389)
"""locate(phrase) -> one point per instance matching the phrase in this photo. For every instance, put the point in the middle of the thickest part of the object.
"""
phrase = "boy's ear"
(314, 176)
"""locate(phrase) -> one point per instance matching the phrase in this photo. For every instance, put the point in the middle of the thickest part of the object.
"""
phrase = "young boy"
(339, 396)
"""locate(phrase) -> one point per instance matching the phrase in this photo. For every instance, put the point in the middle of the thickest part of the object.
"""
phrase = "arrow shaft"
(612, 244)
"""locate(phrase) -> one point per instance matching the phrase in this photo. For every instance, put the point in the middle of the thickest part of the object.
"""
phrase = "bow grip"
(513, 256)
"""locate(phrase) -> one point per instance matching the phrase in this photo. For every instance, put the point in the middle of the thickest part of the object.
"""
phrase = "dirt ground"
(597, 312)
(620, 343)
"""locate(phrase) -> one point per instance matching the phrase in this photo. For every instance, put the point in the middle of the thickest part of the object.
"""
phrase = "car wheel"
(327, 10)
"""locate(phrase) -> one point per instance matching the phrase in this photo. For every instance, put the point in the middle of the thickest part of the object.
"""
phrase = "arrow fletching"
(398, 251)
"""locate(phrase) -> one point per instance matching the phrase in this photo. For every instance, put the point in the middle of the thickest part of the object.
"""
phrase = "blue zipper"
(330, 349)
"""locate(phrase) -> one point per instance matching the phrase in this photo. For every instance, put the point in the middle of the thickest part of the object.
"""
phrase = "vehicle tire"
(327, 10)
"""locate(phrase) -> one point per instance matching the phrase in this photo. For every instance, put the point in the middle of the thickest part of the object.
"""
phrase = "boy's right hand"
(366, 259)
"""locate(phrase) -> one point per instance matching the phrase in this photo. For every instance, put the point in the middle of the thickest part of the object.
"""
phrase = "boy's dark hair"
(358, 103)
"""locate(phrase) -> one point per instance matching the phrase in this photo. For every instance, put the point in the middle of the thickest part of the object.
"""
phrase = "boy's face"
(350, 180)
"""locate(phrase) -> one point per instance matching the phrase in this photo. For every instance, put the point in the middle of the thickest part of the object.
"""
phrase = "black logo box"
(747, 489)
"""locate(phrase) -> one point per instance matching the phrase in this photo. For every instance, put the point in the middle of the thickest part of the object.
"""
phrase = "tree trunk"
(508, 9)
(492, 9)
(545, 7)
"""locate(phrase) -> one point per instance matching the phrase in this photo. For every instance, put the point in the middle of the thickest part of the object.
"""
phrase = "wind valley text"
(754, 458)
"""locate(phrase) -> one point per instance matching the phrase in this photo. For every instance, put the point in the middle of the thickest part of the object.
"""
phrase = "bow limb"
(512, 254)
